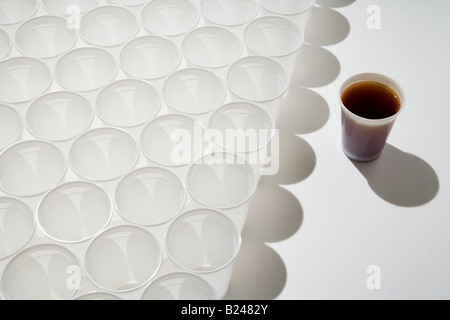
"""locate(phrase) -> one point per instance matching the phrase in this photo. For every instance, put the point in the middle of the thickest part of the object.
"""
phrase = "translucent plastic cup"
(150, 196)
(13, 11)
(59, 116)
(276, 37)
(31, 168)
(86, 69)
(97, 296)
(212, 47)
(5, 44)
(194, 91)
(123, 258)
(150, 57)
(11, 126)
(169, 18)
(225, 182)
(42, 272)
(173, 140)
(229, 13)
(108, 26)
(17, 225)
(258, 79)
(128, 103)
(297, 10)
(179, 286)
(363, 138)
(45, 37)
(23, 79)
(74, 212)
(103, 154)
(205, 242)
(68, 7)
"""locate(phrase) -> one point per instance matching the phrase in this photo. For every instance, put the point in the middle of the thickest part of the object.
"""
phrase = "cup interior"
(68, 7)
(31, 168)
(44, 268)
(123, 258)
(5, 44)
(288, 7)
(16, 224)
(150, 57)
(14, 11)
(212, 47)
(11, 126)
(59, 116)
(74, 212)
(150, 196)
(229, 12)
(128, 103)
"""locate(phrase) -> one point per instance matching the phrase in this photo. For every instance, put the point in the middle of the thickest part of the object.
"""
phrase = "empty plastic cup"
(179, 286)
(23, 79)
(94, 296)
(128, 103)
(103, 154)
(297, 10)
(45, 37)
(17, 225)
(74, 212)
(205, 242)
(13, 11)
(108, 26)
(123, 258)
(42, 272)
(86, 69)
(68, 7)
(5, 44)
(11, 126)
(59, 116)
(30, 168)
(229, 13)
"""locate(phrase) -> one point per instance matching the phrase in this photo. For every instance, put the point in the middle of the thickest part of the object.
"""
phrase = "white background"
(314, 229)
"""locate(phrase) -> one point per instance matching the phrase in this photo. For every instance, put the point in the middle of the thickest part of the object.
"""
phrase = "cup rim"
(48, 16)
(160, 256)
(202, 3)
(10, 43)
(106, 7)
(211, 211)
(153, 169)
(33, 228)
(21, 124)
(65, 14)
(36, 7)
(264, 5)
(362, 77)
(53, 146)
(298, 31)
(62, 187)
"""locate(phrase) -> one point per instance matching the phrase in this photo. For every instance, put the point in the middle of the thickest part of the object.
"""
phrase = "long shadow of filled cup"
(370, 105)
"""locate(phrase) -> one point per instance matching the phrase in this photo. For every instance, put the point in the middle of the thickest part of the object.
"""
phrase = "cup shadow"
(334, 3)
(400, 178)
(326, 27)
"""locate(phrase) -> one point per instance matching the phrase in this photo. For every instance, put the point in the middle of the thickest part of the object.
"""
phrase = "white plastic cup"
(364, 138)
(11, 126)
(86, 69)
(169, 18)
(103, 154)
(297, 10)
(17, 225)
(123, 258)
(45, 37)
(59, 116)
(74, 212)
(23, 79)
(150, 196)
(31, 168)
(224, 182)
(128, 103)
(108, 26)
(194, 91)
(212, 47)
(98, 296)
(260, 80)
(13, 11)
(5, 44)
(179, 286)
(73, 8)
(229, 13)
(277, 37)
(42, 272)
(128, 3)
(150, 57)
(205, 242)
(173, 140)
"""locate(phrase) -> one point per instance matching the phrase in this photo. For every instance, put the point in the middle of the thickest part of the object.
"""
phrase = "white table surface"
(317, 228)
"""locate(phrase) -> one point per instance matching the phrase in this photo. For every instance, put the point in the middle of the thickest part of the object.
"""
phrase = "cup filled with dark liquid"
(370, 104)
